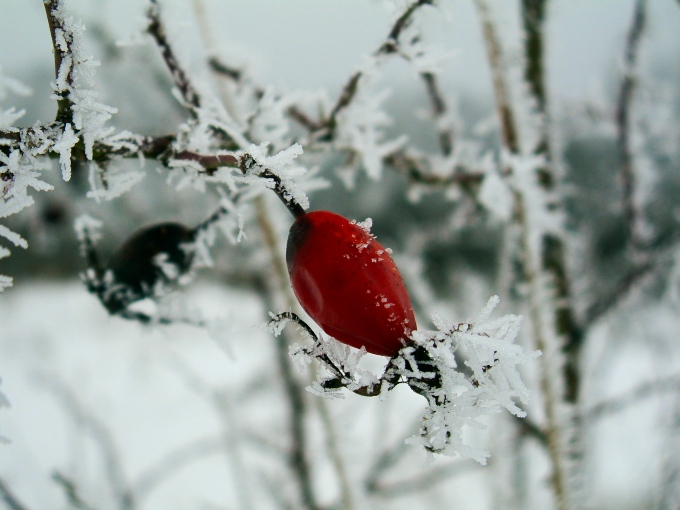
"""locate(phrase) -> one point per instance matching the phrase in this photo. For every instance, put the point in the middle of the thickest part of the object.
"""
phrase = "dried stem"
(295, 392)
(179, 76)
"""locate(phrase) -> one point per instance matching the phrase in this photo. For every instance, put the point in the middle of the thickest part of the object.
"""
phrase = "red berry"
(348, 283)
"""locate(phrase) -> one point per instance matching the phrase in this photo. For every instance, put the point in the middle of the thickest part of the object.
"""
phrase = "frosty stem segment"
(247, 163)
(62, 41)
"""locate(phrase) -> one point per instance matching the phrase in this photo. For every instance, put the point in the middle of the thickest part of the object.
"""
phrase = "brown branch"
(439, 111)
(179, 76)
(623, 123)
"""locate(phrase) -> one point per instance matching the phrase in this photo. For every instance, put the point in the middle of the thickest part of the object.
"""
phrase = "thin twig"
(632, 397)
(425, 480)
(509, 134)
(623, 123)
(179, 76)
(102, 436)
(71, 491)
(8, 497)
(173, 462)
(439, 111)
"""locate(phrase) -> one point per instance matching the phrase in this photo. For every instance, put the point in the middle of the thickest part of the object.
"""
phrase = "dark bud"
(152, 256)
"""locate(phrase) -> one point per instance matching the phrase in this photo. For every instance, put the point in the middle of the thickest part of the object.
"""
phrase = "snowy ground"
(186, 420)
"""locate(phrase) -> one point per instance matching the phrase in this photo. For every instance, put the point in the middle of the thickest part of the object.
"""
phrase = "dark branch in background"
(402, 22)
(424, 480)
(633, 396)
(623, 123)
(157, 31)
(71, 491)
(61, 35)
(622, 289)
(173, 462)
(533, 15)
(9, 498)
(101, 435)
(439, 111)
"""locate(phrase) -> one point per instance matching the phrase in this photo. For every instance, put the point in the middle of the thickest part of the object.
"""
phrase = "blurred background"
(182, 417)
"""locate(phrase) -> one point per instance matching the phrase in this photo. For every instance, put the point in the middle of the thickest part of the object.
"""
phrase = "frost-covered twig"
(64, 67)
(429, 366)
(294, 390)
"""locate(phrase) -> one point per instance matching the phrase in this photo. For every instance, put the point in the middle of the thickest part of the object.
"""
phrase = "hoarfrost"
(115, 184)
(19, 171)
(492, 358)
(63, 146)
(361, 127)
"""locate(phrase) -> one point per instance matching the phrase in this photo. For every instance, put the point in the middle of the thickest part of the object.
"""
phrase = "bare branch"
(439, 111)
(623, 122)
(424, 480)
(633, 397)
(622, 289)
(102, 436)
(71, 491)
(8, 497)
(179, 76)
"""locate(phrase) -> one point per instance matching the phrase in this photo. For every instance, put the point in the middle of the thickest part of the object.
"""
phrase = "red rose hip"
(348, 283)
